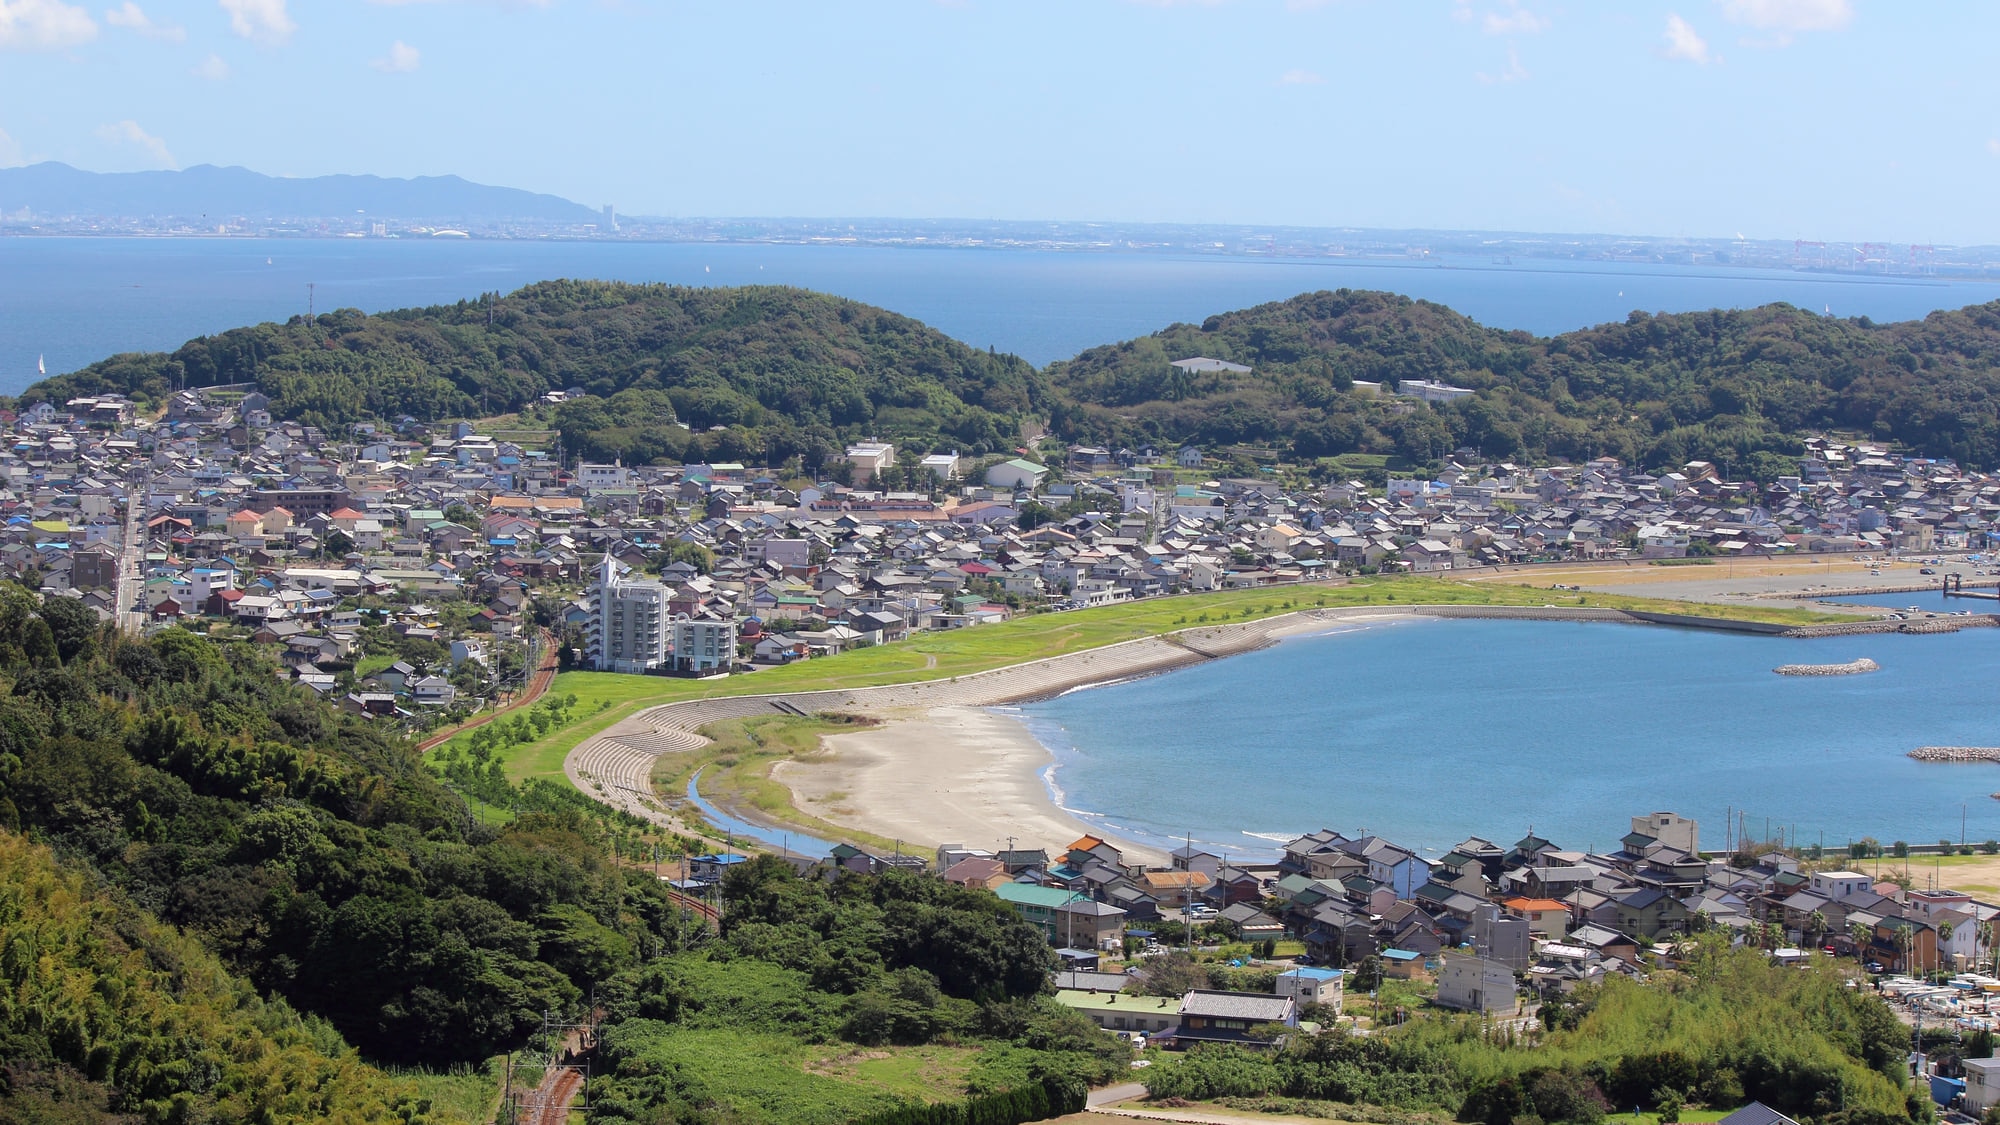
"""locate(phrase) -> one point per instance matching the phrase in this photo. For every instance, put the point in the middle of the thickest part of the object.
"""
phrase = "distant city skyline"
(1772, 119)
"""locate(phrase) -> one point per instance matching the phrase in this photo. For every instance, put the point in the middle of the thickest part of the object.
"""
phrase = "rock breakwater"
(1957, 754)
(1851, 668)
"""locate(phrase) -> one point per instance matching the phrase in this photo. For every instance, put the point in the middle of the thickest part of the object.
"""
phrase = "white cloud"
(1993, 145)
(401, 59)
(129, 132)
(1787, 16)
(211, 68)
(43, 25)
(134, 19)
(1683, 42)
(261, 21)
(1515, 20)
(10, 151)
(1515, 72)
(1300, 78)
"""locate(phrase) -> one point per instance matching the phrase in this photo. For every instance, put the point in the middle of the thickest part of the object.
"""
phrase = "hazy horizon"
(1833, 120)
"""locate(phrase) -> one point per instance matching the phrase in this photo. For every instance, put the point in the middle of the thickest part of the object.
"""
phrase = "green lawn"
(606, 697)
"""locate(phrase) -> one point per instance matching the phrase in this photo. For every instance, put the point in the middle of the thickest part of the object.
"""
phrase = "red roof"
(348, 514)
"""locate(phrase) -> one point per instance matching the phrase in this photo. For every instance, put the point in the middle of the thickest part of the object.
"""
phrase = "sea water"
(77, 300)
(1427, 731)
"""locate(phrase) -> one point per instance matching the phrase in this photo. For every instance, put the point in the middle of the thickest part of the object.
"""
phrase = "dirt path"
(538, 686)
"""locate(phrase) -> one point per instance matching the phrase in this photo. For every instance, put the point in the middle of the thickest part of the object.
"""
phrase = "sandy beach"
(964, 775)
(957, 775)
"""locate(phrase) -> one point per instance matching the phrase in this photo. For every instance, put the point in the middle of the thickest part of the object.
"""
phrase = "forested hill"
(786, 371)
(1735, 387)
(765, 374)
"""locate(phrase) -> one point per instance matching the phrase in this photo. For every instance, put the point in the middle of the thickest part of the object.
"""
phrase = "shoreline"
(898, 779)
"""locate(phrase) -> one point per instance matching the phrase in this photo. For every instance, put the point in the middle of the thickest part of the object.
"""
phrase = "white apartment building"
(630, 630)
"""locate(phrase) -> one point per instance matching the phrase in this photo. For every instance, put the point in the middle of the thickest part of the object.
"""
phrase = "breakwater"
(1956, 753)
(1851, 668)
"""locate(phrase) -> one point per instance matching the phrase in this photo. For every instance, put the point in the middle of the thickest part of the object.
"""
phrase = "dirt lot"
(1725, 580)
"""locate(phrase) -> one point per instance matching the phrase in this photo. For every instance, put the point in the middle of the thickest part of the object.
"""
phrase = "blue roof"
(1400, 955)
(1315, 974)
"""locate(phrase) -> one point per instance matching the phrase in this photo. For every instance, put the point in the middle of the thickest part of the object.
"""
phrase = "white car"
(1200, 912)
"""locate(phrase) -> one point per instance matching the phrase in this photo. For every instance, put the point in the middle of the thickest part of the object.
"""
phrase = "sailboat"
(42, 365)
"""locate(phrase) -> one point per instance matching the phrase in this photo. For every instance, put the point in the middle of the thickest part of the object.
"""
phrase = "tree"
(1863, 936)
(1816, 927)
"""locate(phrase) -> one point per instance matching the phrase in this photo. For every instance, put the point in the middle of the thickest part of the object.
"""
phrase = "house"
(977, 871)
(1982, 1085)
(1084, 924)
(1475, 984)
(433, 691)
(1016, 474)
(1117, 1011)
(1038, 905)
(1757, 1113)
(1402, 964)
(1231, 1017)
(1313, 986)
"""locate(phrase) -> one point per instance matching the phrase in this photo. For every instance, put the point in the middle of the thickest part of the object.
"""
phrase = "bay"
(77, 300)
(1427, 731)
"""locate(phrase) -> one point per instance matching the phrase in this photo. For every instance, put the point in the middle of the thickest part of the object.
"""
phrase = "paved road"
(130, 609)
(1124, 1091)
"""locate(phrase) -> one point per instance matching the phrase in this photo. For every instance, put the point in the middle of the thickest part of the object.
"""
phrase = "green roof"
(1027, 466)
(1028, 894)
(1119, 1002)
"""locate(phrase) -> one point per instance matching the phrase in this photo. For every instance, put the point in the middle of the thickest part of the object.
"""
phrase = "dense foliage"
(788, 372)
(105, 1014)
(310, 849)
(808, 965)
(1732, 1027)
(1732, 387)
(768, 374)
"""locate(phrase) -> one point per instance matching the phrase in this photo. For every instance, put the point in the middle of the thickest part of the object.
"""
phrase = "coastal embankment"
(1956, 753)
(1851, 668)
(941, 769)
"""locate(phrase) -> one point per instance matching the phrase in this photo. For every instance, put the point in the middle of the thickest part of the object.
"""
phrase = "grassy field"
(604, 698)
(931, 1073)
(462, 1094)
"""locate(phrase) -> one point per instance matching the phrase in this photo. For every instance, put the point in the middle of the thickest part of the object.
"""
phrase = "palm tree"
(1816, 927)
(1982, 938)
(1944, 932)
(1862, 935)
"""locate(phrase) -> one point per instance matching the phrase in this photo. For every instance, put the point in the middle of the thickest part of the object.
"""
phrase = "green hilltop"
(766, 374)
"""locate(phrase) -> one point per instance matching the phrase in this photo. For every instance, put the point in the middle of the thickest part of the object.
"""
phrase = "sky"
(1817, 119)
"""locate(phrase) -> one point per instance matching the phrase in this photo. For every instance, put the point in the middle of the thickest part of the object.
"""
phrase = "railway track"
(538, 686)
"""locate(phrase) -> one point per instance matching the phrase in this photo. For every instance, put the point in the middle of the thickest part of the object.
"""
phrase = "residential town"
(408, 569)
(1492, 929)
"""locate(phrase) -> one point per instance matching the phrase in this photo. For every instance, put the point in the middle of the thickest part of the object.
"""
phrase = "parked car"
(1201, 911)
(1927, 570)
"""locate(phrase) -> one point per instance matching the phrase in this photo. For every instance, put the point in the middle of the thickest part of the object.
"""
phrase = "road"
(538, 686)
(129, 609)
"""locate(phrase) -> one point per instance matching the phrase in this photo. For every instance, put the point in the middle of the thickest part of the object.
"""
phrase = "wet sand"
(957, 775)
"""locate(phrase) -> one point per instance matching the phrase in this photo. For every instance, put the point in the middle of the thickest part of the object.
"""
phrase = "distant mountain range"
(217, 195)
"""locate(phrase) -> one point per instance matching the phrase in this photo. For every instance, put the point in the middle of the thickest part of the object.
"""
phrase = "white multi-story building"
(870, 458)
(633, 630)
(629, 633)
(702, 645)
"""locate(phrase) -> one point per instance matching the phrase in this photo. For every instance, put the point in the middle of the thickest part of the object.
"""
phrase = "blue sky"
(1817, 119)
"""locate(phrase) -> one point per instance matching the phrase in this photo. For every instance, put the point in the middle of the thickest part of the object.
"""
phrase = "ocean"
(1429, 731)
(71, 301)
